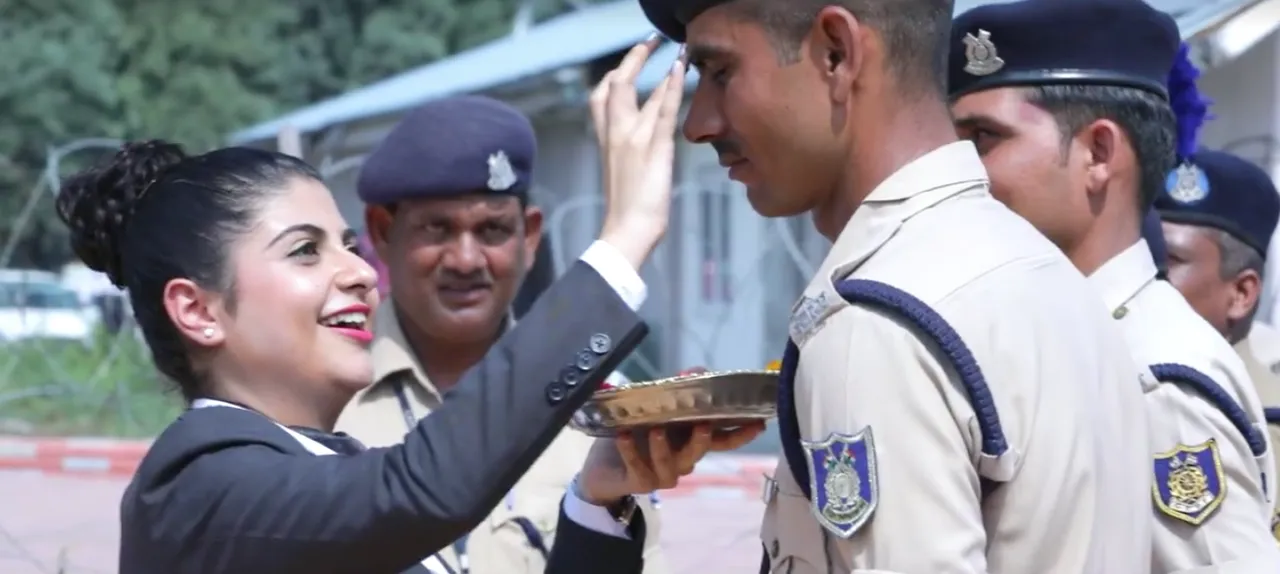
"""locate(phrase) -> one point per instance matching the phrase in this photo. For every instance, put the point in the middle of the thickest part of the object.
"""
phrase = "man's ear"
(1102, 143)
(1246, 288)
(532, 235)
(837, 38)
(377, 222)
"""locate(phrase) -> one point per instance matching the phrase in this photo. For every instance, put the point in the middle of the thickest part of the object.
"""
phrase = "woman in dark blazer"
(246, 285)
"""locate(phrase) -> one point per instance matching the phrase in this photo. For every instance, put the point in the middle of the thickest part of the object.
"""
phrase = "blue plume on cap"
(1190, 107)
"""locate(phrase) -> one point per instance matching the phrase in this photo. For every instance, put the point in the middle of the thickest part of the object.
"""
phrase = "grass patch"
(107, 387)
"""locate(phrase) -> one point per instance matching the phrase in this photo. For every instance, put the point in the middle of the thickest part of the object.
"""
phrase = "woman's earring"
(208, 332)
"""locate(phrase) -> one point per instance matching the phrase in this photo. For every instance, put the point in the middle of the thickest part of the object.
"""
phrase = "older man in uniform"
(1078, 138)
(448, 213)
(1217, 227)
(954, 398)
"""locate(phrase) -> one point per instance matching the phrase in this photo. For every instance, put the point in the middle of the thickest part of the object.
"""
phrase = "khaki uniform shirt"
(1219, 521)
(498, 545)
(1261, 354)
(1074, 495)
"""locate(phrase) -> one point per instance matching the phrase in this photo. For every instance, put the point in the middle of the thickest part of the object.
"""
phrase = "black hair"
(152, 214)
(916, 32)
(1145, 117)
(1236, 256)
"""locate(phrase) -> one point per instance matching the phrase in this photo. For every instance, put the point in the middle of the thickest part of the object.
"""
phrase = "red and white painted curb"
(728, 476)
(72, 456)
(717, 476)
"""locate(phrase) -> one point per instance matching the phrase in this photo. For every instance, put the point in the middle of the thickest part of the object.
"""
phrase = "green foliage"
(192, 72)
(105, 388)
(188, 72)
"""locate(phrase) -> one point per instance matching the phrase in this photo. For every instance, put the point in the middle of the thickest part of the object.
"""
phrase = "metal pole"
(289, 141)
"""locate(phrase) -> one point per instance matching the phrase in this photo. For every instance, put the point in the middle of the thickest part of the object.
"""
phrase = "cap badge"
(980, 54)
(501, 176)
(1187, 184)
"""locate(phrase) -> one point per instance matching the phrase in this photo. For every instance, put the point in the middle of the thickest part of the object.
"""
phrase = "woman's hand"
(645, 461)
(637, 148)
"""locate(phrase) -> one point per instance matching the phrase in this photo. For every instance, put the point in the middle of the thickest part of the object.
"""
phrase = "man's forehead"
(1185, 235)
(1002, 104)
(458, 205)
(720, 30)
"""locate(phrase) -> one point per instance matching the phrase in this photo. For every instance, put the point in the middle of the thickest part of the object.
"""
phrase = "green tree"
(192, 71)
(57, 86)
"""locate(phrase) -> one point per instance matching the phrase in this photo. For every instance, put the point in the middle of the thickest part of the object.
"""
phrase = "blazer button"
(601, 344)
(570, 377)
(586, 361)
(555, 393)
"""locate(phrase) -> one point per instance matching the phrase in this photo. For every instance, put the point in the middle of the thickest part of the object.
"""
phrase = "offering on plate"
(725, 398)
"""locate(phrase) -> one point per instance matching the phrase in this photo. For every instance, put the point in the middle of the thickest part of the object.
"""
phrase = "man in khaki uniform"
(1039, 122)
(1217, 242)
(954, 397)
(1260, 351)
(448, 214)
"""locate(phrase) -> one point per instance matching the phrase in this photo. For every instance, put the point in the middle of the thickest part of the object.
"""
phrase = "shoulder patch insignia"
(842, 478)
(808, 315)
(1189, 483)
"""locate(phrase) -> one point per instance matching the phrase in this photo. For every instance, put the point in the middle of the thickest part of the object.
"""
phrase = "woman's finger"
(621, 107)
(598, 103)
(634, 61)
(693, 452)
(646, 125)
(736, 438)
(660, 455)
(669, 104)
(637, 468)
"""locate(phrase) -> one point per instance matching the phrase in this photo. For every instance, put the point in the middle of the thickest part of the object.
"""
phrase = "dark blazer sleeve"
(580, 550)
(237, 504)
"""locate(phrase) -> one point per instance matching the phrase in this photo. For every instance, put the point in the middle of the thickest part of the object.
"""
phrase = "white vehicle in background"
(34, 305)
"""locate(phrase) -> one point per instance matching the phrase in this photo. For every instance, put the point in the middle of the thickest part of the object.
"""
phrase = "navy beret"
(1154, 234)
(1123, 43)
(449, 147)
(1217, 189)
(671, 16)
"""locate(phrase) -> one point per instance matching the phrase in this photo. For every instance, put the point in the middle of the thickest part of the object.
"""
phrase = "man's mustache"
(725, 147)
(464, 281)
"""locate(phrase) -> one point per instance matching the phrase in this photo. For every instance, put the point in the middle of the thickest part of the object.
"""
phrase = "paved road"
(67, 525)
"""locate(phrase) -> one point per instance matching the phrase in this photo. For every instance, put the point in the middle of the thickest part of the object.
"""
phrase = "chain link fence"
(721, 284)
(70, 360)
(720, 287)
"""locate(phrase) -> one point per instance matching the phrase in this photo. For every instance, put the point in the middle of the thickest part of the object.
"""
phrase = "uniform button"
(601, 343)
(555, 393)
(570, 377)
(586, 361)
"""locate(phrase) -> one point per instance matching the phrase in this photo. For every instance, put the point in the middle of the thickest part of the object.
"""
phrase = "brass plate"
(728, 397)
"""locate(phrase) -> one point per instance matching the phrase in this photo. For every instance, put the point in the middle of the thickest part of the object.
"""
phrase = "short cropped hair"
(1144, 116)
(1236, 256)
(916, 32)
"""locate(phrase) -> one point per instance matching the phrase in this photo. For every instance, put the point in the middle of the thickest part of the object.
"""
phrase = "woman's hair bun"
(96, 204)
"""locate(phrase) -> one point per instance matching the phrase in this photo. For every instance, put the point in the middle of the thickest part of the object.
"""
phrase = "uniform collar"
(391, 352)
(1123, 276)
(923, 183)
(956, 162)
